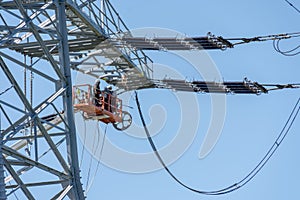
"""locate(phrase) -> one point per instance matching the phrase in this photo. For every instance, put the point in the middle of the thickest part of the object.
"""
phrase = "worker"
(108, 97)
(97, 93)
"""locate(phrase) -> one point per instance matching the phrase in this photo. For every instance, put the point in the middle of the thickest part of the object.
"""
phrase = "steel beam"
(64, 59)
(13, 153)
(36, 110)
(33, 113)
(30, 68)
(39, 39)
(18, 180)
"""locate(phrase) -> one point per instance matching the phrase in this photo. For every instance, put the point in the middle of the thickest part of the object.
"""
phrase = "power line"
(250, 175)
(276, 37)
(291, 52)
(293, 6)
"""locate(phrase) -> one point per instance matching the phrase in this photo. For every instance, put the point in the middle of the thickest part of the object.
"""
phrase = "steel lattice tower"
(41, 42)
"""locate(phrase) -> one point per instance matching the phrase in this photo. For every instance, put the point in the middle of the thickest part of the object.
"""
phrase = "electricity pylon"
(41, 42)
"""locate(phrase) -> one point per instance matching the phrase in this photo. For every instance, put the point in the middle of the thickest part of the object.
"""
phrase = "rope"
(247, 178)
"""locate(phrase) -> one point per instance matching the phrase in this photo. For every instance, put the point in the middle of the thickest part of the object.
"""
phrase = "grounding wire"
(245, 180)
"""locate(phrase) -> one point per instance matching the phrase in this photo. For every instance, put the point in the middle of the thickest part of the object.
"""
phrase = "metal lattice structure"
(47, 40)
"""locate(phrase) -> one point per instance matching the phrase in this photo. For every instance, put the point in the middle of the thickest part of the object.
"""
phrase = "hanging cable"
(276, 42)
(291, 52)
(94, 150)
(247, 178)
(84, 140)
(264, 38)
(293, 6)
(98, 163)
(90, 167)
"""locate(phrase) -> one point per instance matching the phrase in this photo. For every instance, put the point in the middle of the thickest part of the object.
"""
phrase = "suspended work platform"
(104, 107)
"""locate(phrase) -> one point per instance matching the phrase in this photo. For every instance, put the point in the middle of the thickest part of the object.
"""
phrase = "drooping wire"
(276, 42)
(272, 150)
(84, 140)
(90, 165)
(250, 175)
(94, 150)
(98, 163)
(280, 36)
(293, 6)
(291, 52)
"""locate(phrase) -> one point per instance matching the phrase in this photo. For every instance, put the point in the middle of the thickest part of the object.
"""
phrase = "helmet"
(104, 77)
(109, 87)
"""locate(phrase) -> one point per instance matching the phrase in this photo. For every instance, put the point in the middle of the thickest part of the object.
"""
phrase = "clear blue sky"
(252, 122)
